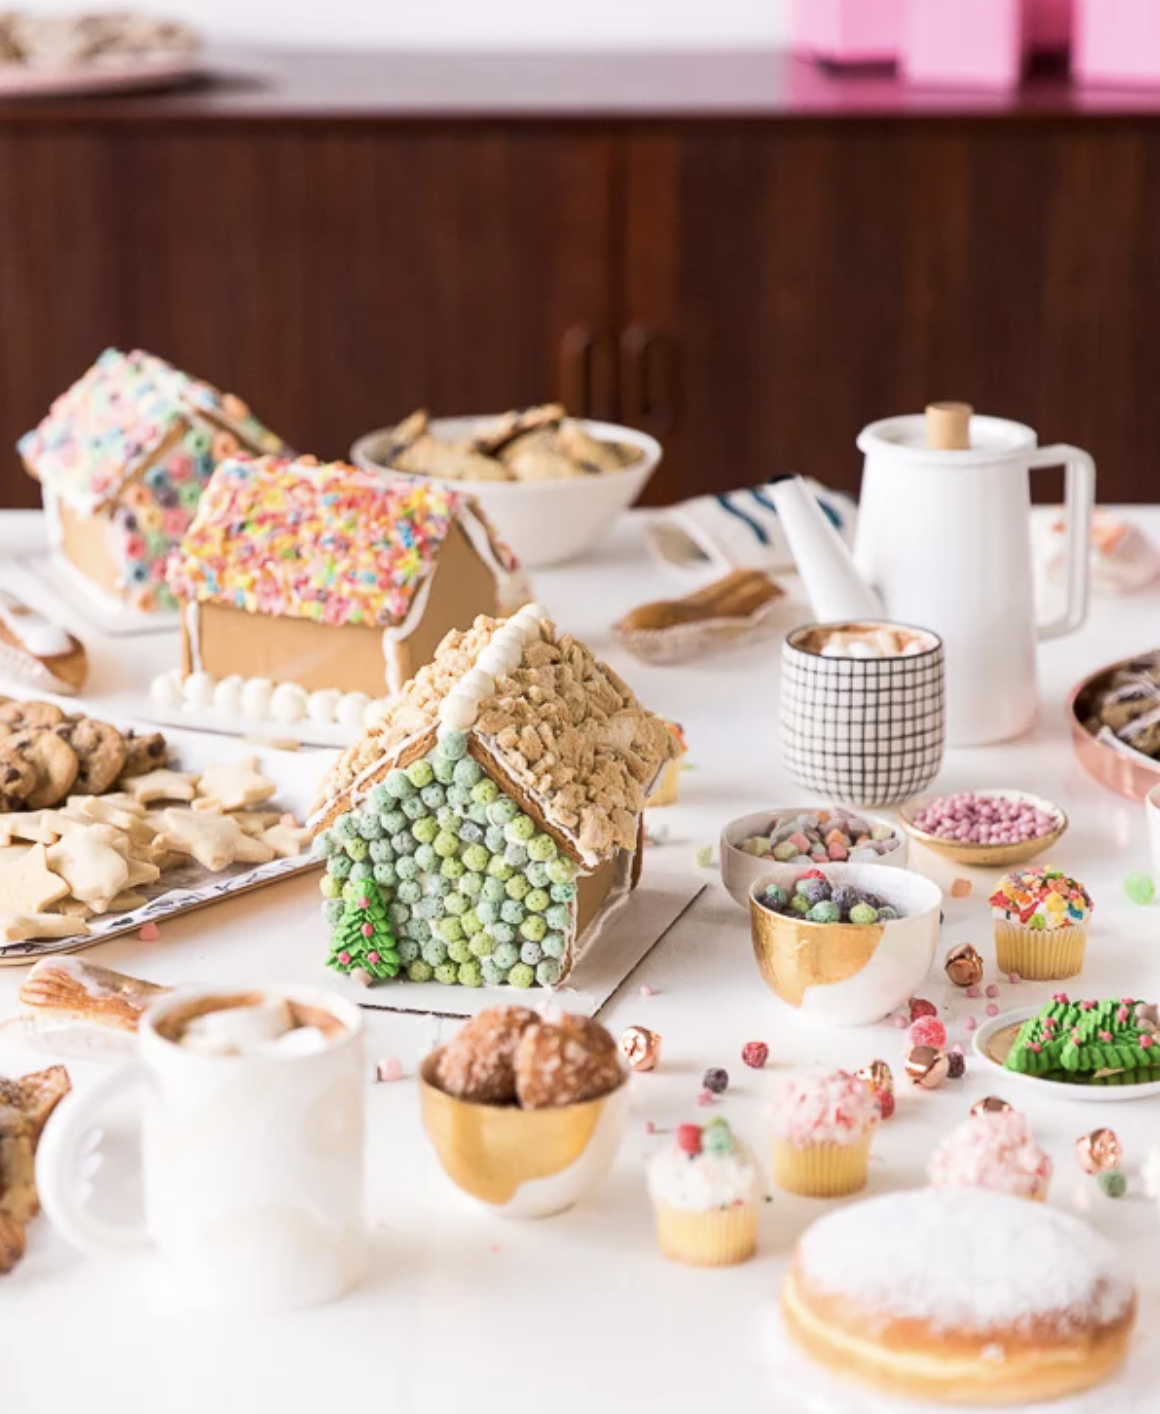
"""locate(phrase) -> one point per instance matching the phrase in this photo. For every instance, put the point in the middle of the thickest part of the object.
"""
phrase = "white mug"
(253, 1164)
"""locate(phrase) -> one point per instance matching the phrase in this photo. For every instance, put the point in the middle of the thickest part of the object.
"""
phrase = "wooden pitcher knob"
(948, 426)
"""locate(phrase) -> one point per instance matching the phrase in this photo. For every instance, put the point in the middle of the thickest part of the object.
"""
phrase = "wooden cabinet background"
(752, 288)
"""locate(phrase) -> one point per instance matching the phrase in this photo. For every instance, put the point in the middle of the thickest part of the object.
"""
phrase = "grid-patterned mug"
(862, 731)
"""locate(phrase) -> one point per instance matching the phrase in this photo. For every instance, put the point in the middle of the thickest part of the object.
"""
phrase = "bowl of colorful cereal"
(844, 943)
(806, 835)
(984, 827)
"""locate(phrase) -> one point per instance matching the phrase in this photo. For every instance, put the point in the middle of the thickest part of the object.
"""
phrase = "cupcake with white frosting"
(705, 1187)
(823, 1126)
(995, 1151)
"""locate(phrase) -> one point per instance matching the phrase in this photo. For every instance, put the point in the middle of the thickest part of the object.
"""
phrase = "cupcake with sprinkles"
(994, 1151)
(1041, 921)
(823, 1126)
(705, 1187)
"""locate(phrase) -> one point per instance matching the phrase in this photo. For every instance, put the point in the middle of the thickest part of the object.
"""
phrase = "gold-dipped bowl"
(848, 974)
(986, 856)
(523, 1163)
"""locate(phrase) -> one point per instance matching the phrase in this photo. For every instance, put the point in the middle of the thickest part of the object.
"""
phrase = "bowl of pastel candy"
(803, 837)
(996, 827)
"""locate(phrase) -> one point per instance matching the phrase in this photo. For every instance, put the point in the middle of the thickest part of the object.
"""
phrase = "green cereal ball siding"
(386, 875)
(477, 814)
(542, 848)
(459, 799)
(452, 868)
(403, 843)
(425, 830)
(414, 809)
(501, 810)
(516, 887)
(445, 844)
(323, 845)
(398, 786)
(554, 944)
(493, 974)
(382, 851)
(512, 911)
(447, 973)
(370, 827)
(506, 954)
(420, 971)
(420, 773)
(358, 849)
(563, 893)
(426, 858)
(448, 819)
(537, 875)
(346, 826)
(471, 884)
(407, 867)
(537, 901)
(493, 838)
(452, 746)
(533, 927)
(417, 929)
(548, 972)
(455, 905)
(482, 945)
(468, 773)
(499, 868)
(470, 923)
(437, 886)
(470, 833)
(484, 791)
(531, 953)
(559, 916)
(459, 951)
(329, 886)
(522, 975)
(487, 911)
(470, 974)
(332, 910)
(520, 828)
(379, 798)
(444, 770)
(410, 891)
(339, 866)
(394, 821)
(561, 870)
(476, 858)
(516, 855)
(493, 889)
(448, 928)
(408, 950)
(435, 951)
(399, 914)
(434, 796)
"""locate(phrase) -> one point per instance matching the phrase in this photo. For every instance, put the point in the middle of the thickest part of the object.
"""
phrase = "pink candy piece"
(705, 1097)
(647, 991)
(992, 990)
(1014, 978)
(970, 1023)
(928, 1031)
(983, 819)
(149, 932)
(974, 991)
(389, 1069)
(992, 1009)
(649, 1127)
(901, 1022)
(959, 1049)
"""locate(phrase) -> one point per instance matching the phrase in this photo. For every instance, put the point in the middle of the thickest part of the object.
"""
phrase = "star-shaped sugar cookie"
(93, 870)
(236, 785)
(256, 822)
(213, 840)
(27, 885)
(19, 927)
(286, 840)
(28, 825)
(161, 785)
(93, 809)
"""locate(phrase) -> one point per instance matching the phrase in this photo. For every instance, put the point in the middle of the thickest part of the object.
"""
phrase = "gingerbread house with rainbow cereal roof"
(485, 825)
(122, 458)
(329, 578)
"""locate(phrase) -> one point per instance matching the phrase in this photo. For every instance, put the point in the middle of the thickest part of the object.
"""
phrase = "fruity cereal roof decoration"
(1041, 898)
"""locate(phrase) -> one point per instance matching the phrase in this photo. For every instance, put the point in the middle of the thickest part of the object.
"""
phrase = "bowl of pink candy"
(984, 827)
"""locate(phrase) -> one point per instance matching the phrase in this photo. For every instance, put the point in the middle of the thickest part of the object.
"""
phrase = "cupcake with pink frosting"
(823, 1126)
(995, 1151)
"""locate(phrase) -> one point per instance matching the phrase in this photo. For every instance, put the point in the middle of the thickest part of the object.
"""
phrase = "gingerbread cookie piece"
(100, 750)
(53, 760)
(478, 1064)
(23, 716)
(143, 753)
(213, 840)
(27, 885)
(70, 989)
(236, 785)
(25, 1106)
(162, 785)
(565, 1063)
(19, 927)
(38, 651)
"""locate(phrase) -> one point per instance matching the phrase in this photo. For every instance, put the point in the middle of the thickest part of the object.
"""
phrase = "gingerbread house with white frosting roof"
(479, 832)
(123, 457)
(329, 578)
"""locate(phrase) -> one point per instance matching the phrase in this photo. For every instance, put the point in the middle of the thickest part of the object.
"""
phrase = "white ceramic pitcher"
(945, 539)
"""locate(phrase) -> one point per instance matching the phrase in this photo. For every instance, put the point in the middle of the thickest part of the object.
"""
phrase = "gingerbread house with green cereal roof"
(490, 819)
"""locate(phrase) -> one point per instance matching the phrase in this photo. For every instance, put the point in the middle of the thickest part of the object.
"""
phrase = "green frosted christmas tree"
(363, 942)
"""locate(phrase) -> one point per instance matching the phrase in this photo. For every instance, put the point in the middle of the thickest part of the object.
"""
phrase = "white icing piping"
(481, 541)
(259, 699)
(392, 671)
(503, 654)
(353, 793)
(193, 633)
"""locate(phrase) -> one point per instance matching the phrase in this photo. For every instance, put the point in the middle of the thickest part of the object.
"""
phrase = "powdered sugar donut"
(960, 1296)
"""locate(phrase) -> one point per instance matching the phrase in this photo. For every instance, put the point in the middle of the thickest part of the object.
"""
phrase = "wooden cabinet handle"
(649, 378)
(587, 374)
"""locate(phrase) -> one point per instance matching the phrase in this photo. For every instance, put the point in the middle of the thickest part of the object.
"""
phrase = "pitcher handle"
(58, 1162)
(1078, 501)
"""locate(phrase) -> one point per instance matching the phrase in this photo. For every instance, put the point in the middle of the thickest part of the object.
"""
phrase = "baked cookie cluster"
(25, 1106)
(63, 41)
(512, 1056)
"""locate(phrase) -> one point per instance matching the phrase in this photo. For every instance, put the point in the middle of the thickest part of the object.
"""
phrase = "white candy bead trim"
(460, 708)
(260, 700)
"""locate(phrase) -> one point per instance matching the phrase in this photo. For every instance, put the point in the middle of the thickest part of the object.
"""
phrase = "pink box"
(1116, 41)
(975, 43)
(849, 31)
(1049, 24)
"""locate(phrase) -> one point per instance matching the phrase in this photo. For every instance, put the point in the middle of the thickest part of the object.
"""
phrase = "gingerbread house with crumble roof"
(123, 457)
(328, 576)
(479, 832)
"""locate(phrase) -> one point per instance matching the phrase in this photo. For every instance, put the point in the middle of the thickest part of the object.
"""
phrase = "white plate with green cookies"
(994, 1039)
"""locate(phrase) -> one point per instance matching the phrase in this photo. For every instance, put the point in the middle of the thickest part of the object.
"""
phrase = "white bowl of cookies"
(551, 484)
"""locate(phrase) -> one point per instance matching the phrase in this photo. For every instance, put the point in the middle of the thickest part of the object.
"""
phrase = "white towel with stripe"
(736, 530)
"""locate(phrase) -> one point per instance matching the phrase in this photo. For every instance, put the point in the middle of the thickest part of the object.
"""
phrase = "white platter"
(252, 730)
(1096, 1094)
(20, 81)
(51, 572)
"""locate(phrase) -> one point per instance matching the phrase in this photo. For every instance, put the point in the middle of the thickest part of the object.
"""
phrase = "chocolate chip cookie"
(100, 749)
(54, 762)
(25, 716)
(143, 753)
(17, 779)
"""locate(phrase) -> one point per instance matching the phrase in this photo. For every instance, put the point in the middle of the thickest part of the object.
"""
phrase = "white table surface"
(578, 1312)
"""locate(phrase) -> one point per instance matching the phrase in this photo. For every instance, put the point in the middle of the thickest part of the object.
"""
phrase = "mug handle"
(58, 1158)
(1078, 501)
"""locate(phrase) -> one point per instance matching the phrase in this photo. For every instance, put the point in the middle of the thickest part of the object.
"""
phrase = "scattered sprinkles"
(1041, 899)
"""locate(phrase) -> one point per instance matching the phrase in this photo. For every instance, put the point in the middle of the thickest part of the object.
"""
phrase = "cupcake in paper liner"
(1041, 920)
(993, 1151)
(823, 1126)
(705, 1188)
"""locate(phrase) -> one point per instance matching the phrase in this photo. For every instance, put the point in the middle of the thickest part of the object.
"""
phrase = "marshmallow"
(288, 702)
(322, 706)
(256, 696)
(198, 689)
(477, 684)
(350, 709)
(302, 1041)
(165, 689)
(236, 1031)
(457, 711)
(227, 696)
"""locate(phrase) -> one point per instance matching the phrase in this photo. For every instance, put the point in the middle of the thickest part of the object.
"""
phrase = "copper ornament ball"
(640, 1047)
(964, 965)
(927, 1066)
(1099, 1151)
(877, 1075)
(990, 1105)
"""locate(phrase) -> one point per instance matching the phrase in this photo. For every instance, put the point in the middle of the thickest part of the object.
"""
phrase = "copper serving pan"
(1128, 772)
